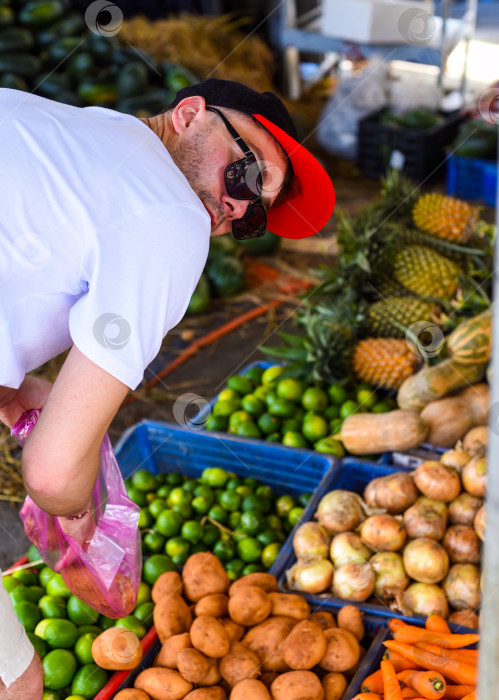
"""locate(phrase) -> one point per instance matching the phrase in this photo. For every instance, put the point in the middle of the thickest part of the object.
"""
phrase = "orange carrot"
(429, 684)
(391, 686)
(373, 683)
(449, 668)
(471, 696)
(410, 634)
(436, 623)
(395, 624)
(448, 653)
(367, 696)
(409, 693)
(457, 692)
(469, 652)
(399, 662)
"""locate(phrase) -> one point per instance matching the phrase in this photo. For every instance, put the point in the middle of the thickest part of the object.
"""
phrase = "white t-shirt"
(102, 239)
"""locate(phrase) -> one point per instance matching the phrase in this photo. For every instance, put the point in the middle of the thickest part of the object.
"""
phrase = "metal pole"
(488, 684)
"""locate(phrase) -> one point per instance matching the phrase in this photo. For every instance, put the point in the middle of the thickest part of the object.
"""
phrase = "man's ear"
(188, 110)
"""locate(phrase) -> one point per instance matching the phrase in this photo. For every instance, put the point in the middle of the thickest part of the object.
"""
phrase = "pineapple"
(445, 217)
(384, 362)
(425, 272)
(392, 316)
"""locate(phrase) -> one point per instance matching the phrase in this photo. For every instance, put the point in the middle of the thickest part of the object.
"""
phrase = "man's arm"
(33, 393)
(60, 460)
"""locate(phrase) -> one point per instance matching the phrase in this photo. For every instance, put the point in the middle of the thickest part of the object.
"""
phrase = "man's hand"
(33, 393)
(29, 686)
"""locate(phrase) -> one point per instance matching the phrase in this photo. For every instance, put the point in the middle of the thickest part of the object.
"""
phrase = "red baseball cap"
(310, 203)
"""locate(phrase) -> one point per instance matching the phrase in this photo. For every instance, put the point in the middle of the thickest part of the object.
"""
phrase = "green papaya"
(227, 275)
(23, 64)
(266, 244)
(12, 81)
(39, 12)
(102, 47)
(49, 84)
(63, 49)
(222, 245)
(96, 90)
(16, 39)
(72, 25)
(132, 80)
(153, 102)
(200, 299)
(176, 77)
(80, 65)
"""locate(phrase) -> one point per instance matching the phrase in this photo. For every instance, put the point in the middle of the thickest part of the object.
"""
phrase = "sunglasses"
(243, 180)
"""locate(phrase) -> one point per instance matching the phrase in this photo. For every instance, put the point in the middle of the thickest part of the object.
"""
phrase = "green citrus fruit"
(314, 399)
(268, 536)
(224, 550)
(130, 622)
(178, 549)
(230, 500)
(234, 519)
(270, 375)
(225, 408)
(174, 479)
(163, 491)
(270, 553)
(270, 398)
(337, 394)
(88, 680)
(59, 667)
(290, 389)
(19, 594)
(335, 426)
(252, 502)
(234, 568)
(240, 384)
(168, 523)
(58, 633)
(144, 480)
(153, 542)
(33, 554)
(294, 515)
(229, 395)
(252, 569)
(192, 531)
(80, 613)
(178, 496)
(330, 446)
(304, 498)
(201, 505)
(294, 439)
(28, 615)
(290, 425)
(249, 550)
(214, 422)
(252, 405)
(53, 606)
(137, 496)
(261, 392)
(314, 428)
(155, 508)
(156, 565)
(248, 429)
(144, 593)
(268, 423)
(348, 408)
(252, 521)
(26, 577)
(40, 646)
(332, 412)
(214, 476)
(380, 407)
(57, 587)
(238, 417)
(143, 613)
(11, 583)
(233, 483)
(366, 398)
(94, 629)
(273, 521)
(211, 535)
(83, 648)
(51, 695)
(219, 514)
(254, 374)
(104, 622)
(273, 437)
(35, 593)
(282, 408)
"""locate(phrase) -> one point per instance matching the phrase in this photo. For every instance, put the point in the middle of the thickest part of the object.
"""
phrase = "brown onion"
(456, 459)
(479, 523)
(475, 439)
(339, 511)
(465, 618)
(474, 476)
(423, 599)
(311, 576)
(391, 577)
(354, 582)
(436, 481)
(426, 518)
(383, 532)
(311, 540)
(348, 547)
(462, 510)
(462, 545)
(462, 586)
(370, 492)
(425, 560)
(395, 492)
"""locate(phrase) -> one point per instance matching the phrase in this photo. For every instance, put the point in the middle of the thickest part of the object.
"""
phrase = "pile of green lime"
(62, 629)
(239, 519)
(263, 404)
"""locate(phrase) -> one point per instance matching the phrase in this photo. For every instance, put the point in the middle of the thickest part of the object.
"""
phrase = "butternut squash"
(470, 342)
(433, 383)
(449, 419)
(368, 433)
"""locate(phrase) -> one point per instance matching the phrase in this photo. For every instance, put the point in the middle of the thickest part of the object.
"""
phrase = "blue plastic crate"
(472, 178)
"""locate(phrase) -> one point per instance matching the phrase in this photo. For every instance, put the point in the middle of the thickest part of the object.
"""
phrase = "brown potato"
(289, 605)
(192, 665)
(208, 635)
(334, 685)
(342, 651)
(268, 678)
(213, 677)
(297, 685)
(167, 584)
(349, 618)
(132, 694)
(117, 649)
(266, 640)
(249, 605)
(240, 663)
(304, 646)
(203, 574)
(325, 620)
(213, 693)
(214, 605)
(167, 655)
(249, 689)
(171, 616)
(260, 579)
(162, 684)
(233, 631)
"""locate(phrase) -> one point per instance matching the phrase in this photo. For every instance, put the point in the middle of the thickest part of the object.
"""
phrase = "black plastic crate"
(417, 152)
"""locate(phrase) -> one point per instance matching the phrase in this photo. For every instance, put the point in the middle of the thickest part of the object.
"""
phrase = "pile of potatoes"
(244, 641)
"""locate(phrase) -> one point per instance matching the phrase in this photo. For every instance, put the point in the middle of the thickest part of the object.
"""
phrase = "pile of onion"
(339, 511)
(383, 532)
(462, 586)
(354, 582)
(394, 492)
(425, 560)
(423, 599)
(310, 541)
(479, 523)
(437, 481)
(474, 476)
(391, 577)
(426, 518)
(347, 547)
(462, 544)
(310, 576)
(462, 510)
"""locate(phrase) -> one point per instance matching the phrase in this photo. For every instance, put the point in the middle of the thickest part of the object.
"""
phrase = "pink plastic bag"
(105, 570)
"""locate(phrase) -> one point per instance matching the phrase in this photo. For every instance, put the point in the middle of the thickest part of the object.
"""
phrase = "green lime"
(233, 483)
(178, 549)
(59, 667)
(178, 496)
(143, 613)
(52, 606)
(26, 577)
(137, 496)
(168, 523)
(330, 446)
(214, 476)
(235, 566)
(225, 408)
(74, 697)
(161, 481)
(366, 398)
(274, 522)
(185, 510)
(219, 514)
(332, 412)
(252, 521)
(155, 508)
(153, 542)
(252, 405)
(105, 622)
(35, 593)
(240, 384)
(248, 429)
(229, 395)
(83, 648)
(268, 423)
(130, 622)
(224, 550)
(290, 389)
(335, 426)
(94, 629)
(314, 428)
(269, 554)
(252, 569)
(88, 680)
(192, 531)
(249, 550)
(238, 417)
(244, 490)
(144, 480)
(294, 439)
(234, 520)
(144, 593)
(174, 479)
(211, 535)
(11, 583)
(28, 615)
(294, 515)
(265, 491)
(19, 594)
(252, 502)
(337, 394)
(58, 633)
(284, 505)
(314, 399)
(230, 500)
(304, 498)
(150, 497)
(251, 482)
(254, 374)
(214, 422)
(201, 505)
(33, 554)
(268, 536)
(80, 613)
(282, 408)
(261, 393)
(51, 695)
(156, 565)
(163, 491)
(271, 373)
(40, 646)
(380, 407)
(290, 425)
(270, 398)
(348, 408)
(273, 437)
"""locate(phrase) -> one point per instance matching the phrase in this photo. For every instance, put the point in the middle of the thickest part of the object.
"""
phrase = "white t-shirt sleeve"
(16, 651)
(141, 273)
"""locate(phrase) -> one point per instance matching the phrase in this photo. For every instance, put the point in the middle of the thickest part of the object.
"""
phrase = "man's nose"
(234, 208)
